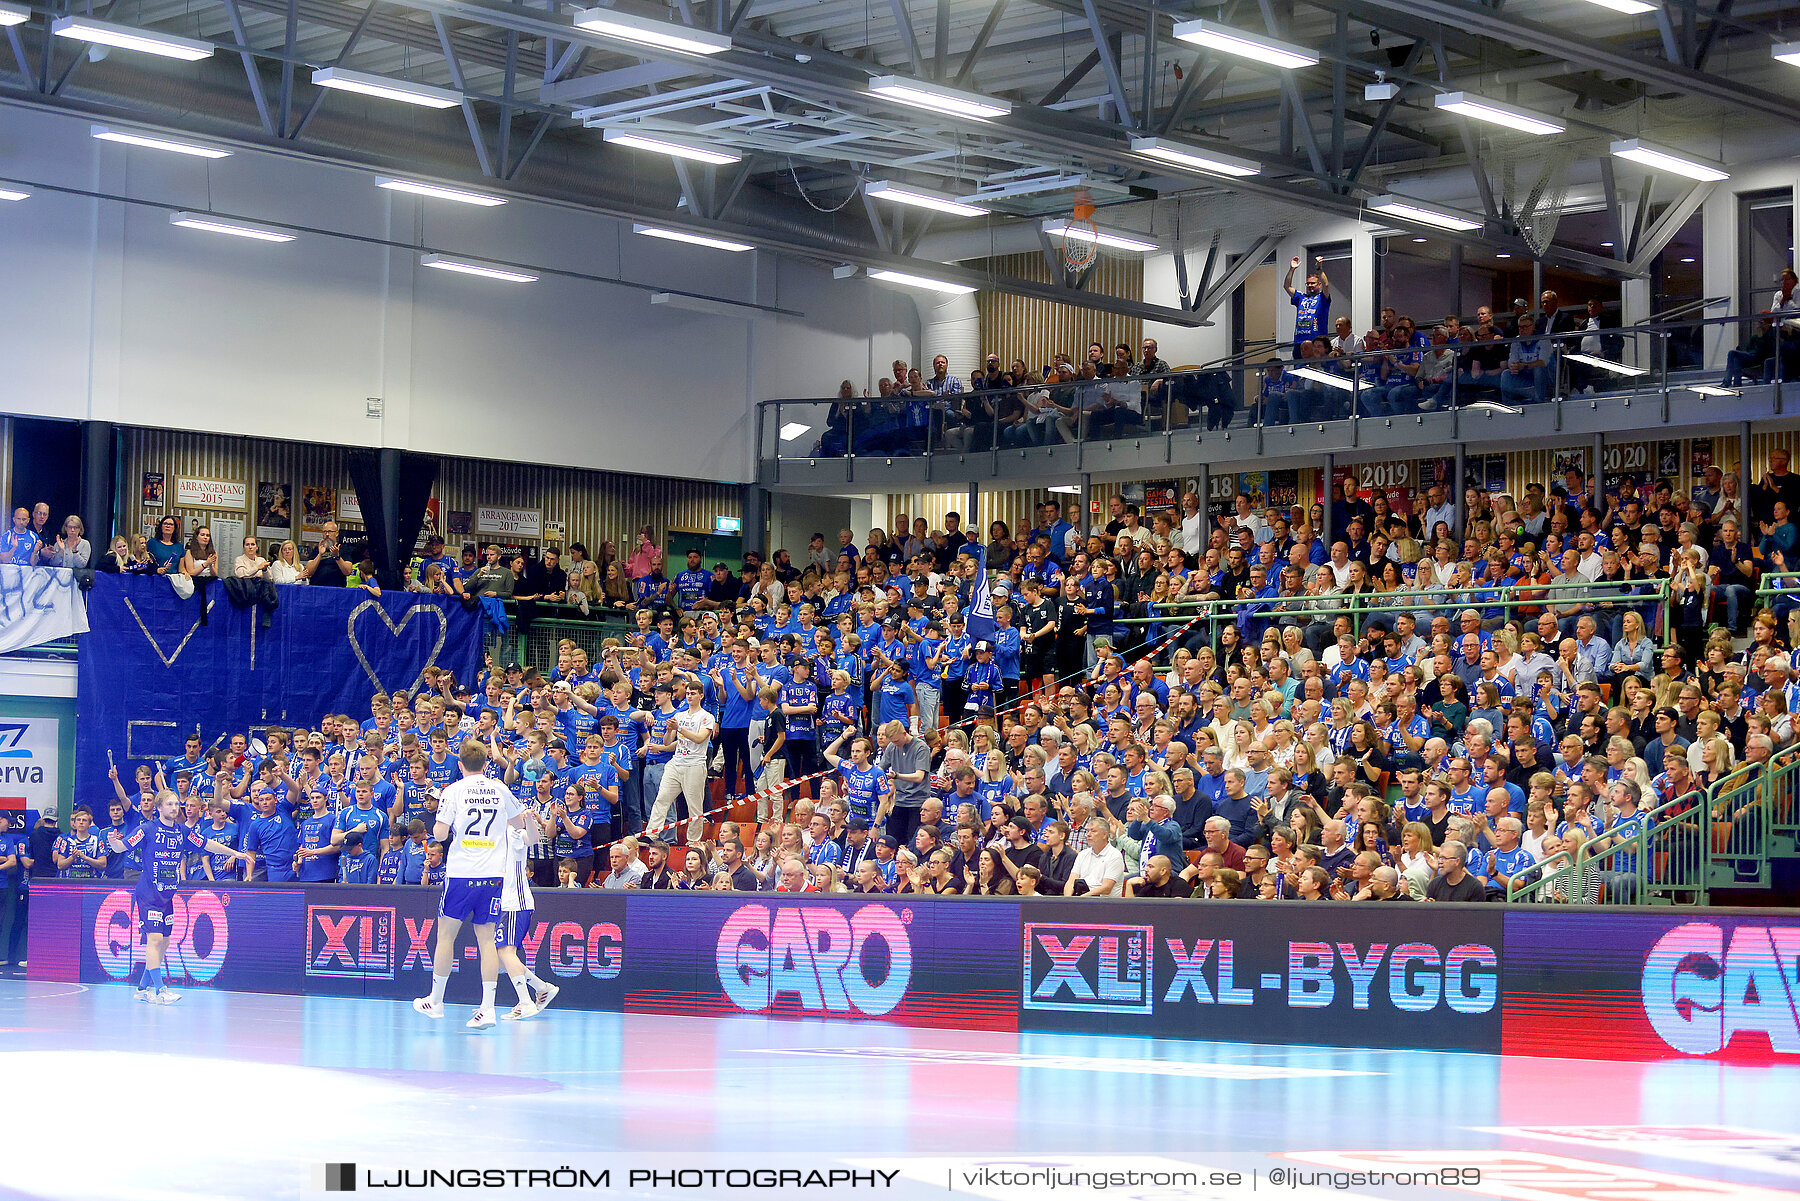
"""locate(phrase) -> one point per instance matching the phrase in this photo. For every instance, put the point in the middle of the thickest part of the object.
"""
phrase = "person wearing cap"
(887, 848)
(1668, 743)
(925, 672)
(858, 848)
(1008, 648)
(982, 683)
(800, 708)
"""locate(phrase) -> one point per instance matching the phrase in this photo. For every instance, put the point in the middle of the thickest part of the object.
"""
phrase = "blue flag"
(979, 623)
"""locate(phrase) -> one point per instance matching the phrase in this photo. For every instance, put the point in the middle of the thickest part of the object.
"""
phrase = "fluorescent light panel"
(212, 223)
(439, 192)
(937, 97)
(127, 37)
(1712, 390)
(881, 189)
(1193, 157)
(1607, 364)
(466, 267)
(150, 142)
(920, 281)
(1115, 241)
(1630, 7)
(1423, 214)
(681, 235)
(1495, 113)
(380, 86)
(13, 194)
(611, 23)
(1787, 52)
(1064, 490)
(1662, 160)
(1252, 46)
(13, 14)
(1327, 378)
(665, 145)
(793, 429)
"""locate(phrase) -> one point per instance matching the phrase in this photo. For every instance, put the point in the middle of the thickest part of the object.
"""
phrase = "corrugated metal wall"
(594, 505)
(1034, 330)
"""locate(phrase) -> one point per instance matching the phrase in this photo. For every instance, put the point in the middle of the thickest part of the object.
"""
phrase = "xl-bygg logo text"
(199, 936)
(1701, 992)
(1111, 969)
(831, 962)
(350, 941)
(1089, 968)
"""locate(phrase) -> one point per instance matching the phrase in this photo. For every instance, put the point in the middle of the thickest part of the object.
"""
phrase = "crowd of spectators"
(1434, 706)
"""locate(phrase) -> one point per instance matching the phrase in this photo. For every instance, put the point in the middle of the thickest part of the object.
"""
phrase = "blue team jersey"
(603, 775)
(221, 864)
(412, 800)
(360, 868)
(893, 700)
(862, 789)
(575, 846)
(68, 844)
(161, 847)
(837, 713)
(275, 840)
(1508, 863)
(955, 657)
(920, 670)
(1006, 653)
(691, 586)
(443, 774)
(1310, 313)
(376, 820)
(799, 725)
(659, 733)
(315, 834)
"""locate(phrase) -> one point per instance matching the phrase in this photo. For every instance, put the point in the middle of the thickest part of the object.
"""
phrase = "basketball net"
(1080, 239)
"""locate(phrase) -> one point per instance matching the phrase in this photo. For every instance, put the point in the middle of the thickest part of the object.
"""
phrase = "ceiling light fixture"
(465, 267)
(1606, 364)
(794, 429)
(1324, 377)
(212, 223)
(1787, 52)
(679, 235)
(439, 192)
(1183, 155)
(1629, 7)
(1423, 214)
(13, 194)
(1492, 406)
(1713, 390)
(882, 189)
(1064, 489)
(13, 14)
(155, 143)
(1637, 151)
(625, 27)
(1102, 237)
(640, 140)
(920, 281)
(1494, 112)
(703, 304)
(128, 37)
(937, 97)
(1252, 46)
(380, 86)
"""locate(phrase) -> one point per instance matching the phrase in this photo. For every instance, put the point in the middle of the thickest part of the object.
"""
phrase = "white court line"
(1073, 1063)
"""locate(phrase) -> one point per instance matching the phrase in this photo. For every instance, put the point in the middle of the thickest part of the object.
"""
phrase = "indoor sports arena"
(980, 489)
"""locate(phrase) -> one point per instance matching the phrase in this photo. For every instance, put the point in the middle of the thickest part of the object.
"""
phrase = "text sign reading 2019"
(1230, 972)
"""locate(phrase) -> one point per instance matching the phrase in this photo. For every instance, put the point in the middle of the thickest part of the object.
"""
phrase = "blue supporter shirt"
(1006, 653)
(862, 789)
(691, 586)
(162, 847)
(799, 725)
(376, 821)
(274, 840)
(315, 834)
(1310, 314)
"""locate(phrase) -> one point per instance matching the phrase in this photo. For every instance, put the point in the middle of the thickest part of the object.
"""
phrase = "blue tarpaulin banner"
(151, 673)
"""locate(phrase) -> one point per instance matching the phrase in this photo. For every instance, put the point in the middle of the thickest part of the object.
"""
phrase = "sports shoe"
(145, 995)
(519, 1012)
(483, 1019)
(166, 997)
(546, 995)
(428, 1007)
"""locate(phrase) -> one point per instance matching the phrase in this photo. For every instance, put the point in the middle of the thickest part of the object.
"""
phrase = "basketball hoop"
(1080, 238)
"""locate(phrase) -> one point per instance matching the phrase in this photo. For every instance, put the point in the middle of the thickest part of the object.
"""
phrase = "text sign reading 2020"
(1258, 972)
(897, 959)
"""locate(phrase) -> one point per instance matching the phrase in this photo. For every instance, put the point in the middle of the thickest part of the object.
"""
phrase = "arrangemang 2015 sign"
(1622, 984)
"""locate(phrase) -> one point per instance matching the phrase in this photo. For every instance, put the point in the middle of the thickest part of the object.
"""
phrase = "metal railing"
(1228, 394)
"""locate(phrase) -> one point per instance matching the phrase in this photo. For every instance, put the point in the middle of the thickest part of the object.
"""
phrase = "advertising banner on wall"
(898, 959)
(1714, 983)
(30, 749)
(1338, 974)
(38, 605)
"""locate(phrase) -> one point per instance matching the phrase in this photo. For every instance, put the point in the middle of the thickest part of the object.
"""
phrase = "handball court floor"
(247, 1095)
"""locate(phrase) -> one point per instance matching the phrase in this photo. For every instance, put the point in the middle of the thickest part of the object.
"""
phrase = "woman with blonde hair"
(1418, 858)
(284, 565)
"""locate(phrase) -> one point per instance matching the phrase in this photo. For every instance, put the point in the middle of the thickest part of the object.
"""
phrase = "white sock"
(521, 987)
(487, 994)
(532, 979)
(438, 985)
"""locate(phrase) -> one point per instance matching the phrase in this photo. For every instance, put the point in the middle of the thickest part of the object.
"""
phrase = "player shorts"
(476, 901)
(514, 927)
(156, 910)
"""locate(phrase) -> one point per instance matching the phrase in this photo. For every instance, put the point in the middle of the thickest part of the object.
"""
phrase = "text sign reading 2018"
(1233, 973)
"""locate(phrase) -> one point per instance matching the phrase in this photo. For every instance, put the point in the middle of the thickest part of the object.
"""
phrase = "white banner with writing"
(38, 604)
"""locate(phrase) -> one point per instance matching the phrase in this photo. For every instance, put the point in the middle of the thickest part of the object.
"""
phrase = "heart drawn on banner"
(395, 628)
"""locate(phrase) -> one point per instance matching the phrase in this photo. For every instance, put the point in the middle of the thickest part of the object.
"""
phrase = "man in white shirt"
(1438, 508)
(1340, 564)
(1247, 518)
(685, 775)
(1193, 529)
(472, 820)
(1100, 865)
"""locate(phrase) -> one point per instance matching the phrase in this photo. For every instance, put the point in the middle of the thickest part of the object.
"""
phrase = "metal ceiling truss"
(781, 99)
